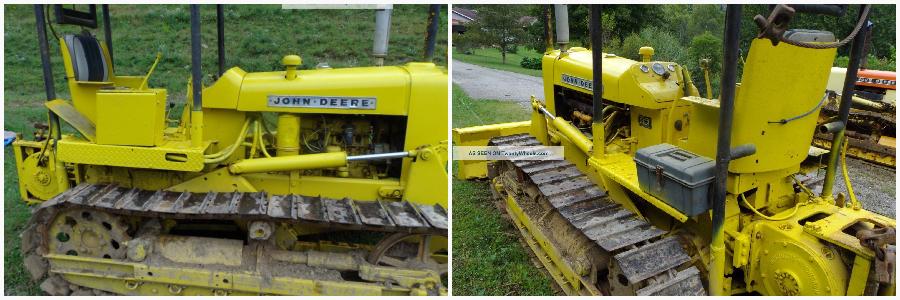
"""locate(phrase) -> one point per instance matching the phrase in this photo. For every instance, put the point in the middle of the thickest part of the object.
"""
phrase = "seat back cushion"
(88, 60)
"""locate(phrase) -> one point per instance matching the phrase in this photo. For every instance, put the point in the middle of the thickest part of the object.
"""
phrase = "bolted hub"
(88, 233)
(787, 283)
(41, 177)
(260, 230)
(90, 239)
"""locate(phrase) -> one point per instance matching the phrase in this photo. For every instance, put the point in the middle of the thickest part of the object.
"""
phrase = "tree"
(883, 32)
(579, 31)
(705, 46)
(499, 26)
(618, 21)
(535, 32)
(666, 46)
(706, 18)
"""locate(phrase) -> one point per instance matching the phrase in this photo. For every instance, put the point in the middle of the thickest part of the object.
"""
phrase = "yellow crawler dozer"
(343, 195)
(664, 192)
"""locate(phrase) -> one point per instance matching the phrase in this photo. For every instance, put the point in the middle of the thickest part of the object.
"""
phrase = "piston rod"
(308, 161)
(379, 156)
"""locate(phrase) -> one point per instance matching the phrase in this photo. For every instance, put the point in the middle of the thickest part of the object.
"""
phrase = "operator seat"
(88, 59)
(89, 70)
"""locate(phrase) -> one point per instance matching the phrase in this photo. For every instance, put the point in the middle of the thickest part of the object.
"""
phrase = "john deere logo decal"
(578, 82)
(322, 102)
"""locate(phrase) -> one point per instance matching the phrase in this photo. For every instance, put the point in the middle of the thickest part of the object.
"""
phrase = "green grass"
(256, 39)
(488, 258)
(15, 215)
(490, 58)
(471, 112)
(15, 212)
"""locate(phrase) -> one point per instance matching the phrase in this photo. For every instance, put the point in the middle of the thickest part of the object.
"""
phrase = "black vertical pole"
(107, 34)
(726, 109)
(856, 55)
(434, 19)
(196, 82)
(49, 89)
(837, 140)
(597, 55)
(220, 22)
(723, 147)
(867, 45)
(40, 20)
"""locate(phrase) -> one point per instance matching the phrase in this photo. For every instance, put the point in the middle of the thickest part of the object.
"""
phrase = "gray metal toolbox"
(678, 177)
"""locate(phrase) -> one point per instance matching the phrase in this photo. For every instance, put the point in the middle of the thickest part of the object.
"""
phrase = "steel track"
(345, 214)
(645, 260)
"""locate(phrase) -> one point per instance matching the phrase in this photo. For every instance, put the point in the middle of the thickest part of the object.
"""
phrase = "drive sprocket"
(91, 233)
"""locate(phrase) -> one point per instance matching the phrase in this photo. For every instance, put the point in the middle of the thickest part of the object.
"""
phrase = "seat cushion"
(87, 56)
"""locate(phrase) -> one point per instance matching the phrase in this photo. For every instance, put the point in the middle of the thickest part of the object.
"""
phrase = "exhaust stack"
(382, 32)
(562, 25)
(434, 19)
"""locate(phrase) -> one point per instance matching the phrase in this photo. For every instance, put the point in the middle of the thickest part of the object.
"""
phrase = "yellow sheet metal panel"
(479, 136)
(375, 91)
(224, 92)
(427, 109)
(647, 126)
(21, 150)
(70, 115)
(131, 118)
(427, 182)
(171, 155)
(778, 83)
(225, 126)
(620, 168)
(131, 82)
(624, 80)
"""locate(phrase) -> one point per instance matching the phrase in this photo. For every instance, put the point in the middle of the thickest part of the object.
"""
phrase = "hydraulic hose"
(227, 152)
(255, 139)
(853, 201)
(761, 215)
(809, 112)
(259, 138)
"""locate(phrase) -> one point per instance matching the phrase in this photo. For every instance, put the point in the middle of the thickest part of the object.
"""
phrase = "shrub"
(874, 63)
(531, 63)
(665, 45)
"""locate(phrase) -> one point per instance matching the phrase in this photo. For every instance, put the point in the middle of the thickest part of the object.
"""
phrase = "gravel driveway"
(874, 185)
(486, 83)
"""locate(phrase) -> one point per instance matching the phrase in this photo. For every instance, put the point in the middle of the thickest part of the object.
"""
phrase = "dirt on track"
(486, 83)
